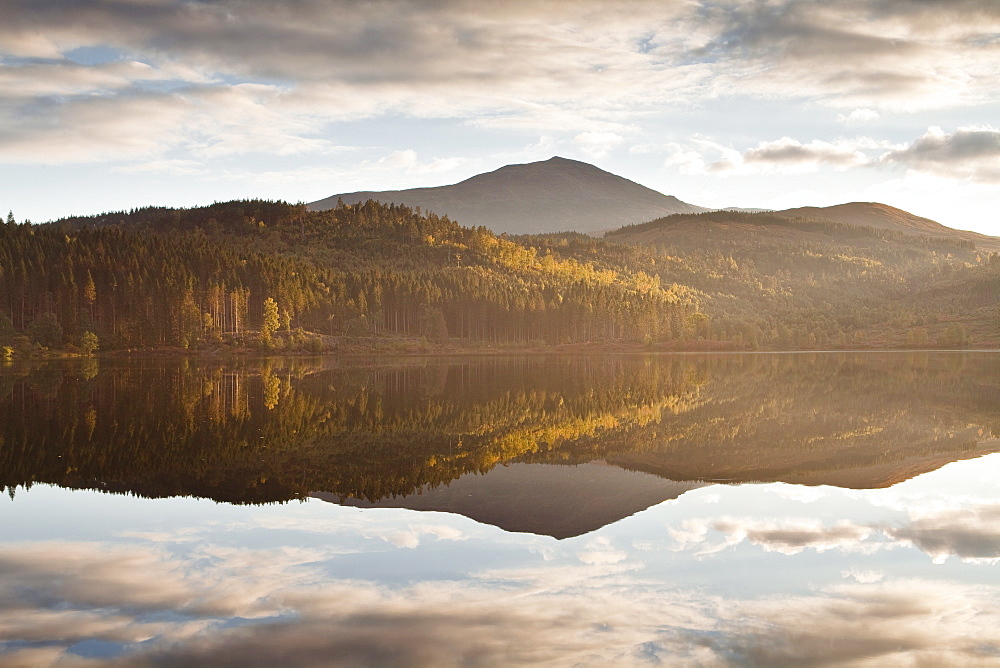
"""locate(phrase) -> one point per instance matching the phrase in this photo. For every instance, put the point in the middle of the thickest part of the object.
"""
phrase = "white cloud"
(864, 576)
(685, 160)
(863, 53)
(175, 166)
(799, 493)
(859, 116)
(598, 144)
(601, 551)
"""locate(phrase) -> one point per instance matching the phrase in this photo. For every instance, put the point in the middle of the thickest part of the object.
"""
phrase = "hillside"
(883, 216)
(552, 196)
(253, 273)
(801, 282)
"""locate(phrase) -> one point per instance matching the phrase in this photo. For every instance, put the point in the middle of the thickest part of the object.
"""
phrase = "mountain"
(543, 499)
(555, 195)
(883, 216)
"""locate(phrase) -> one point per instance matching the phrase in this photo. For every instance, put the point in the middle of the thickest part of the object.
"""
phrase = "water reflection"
(430, 434)
(314, 584)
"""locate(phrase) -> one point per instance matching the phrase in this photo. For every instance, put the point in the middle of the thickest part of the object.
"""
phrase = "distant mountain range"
(556, 195)
(562, 195)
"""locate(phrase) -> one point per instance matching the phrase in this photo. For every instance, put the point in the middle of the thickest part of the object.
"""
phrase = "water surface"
(705, 509)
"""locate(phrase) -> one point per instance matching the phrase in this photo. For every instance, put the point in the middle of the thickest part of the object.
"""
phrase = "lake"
(760, 509)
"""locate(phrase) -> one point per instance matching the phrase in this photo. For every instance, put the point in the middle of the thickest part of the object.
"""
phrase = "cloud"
(799, 493)
(176, 167)
(153, 607)
(328, 62)
(859, 116)
(601, 551)
(866, 576)
(598, 144)
(781, 156)
(971, 153)
(408, 536)
(589, 69)
(686, 160)
(971, 534)
(407, 161)
(900, 622)
(790, 536)
(150, 606)
(860, 53)
(788, 153)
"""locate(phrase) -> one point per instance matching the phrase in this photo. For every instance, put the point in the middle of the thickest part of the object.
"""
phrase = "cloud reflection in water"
(288, 585)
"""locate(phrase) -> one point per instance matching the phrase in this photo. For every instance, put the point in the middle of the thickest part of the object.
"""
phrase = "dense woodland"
(275, 276)
(167, 277)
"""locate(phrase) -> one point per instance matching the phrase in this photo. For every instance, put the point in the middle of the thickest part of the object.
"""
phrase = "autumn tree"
(270, 323)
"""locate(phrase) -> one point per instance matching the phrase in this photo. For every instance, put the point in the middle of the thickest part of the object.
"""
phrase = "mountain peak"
(554, 195)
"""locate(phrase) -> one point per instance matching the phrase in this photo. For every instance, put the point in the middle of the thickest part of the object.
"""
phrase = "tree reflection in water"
(256, 431)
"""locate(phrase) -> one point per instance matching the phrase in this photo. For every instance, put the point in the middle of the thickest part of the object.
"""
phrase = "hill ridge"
(885, 216)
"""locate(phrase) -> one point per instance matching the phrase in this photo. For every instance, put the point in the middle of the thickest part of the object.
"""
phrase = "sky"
(113, 104)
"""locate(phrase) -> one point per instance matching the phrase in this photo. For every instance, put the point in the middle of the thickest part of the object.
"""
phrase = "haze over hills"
(554, 195)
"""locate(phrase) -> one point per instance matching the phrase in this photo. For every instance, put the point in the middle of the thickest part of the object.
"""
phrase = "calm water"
(797, 509)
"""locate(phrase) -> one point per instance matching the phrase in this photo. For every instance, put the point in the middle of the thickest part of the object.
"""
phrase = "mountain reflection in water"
(428, 434)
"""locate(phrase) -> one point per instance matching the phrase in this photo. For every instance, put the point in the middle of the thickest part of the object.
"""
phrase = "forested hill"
(796, 282)
(268, 273)
(273, 275)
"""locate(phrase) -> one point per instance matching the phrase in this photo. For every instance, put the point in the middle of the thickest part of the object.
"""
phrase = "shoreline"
(396, 348)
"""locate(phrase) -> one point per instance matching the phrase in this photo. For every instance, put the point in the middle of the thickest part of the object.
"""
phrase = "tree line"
(186, 277)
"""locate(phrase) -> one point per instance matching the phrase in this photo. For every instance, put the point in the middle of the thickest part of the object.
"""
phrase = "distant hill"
(556, 195)
(883, 216)
(801, 280)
